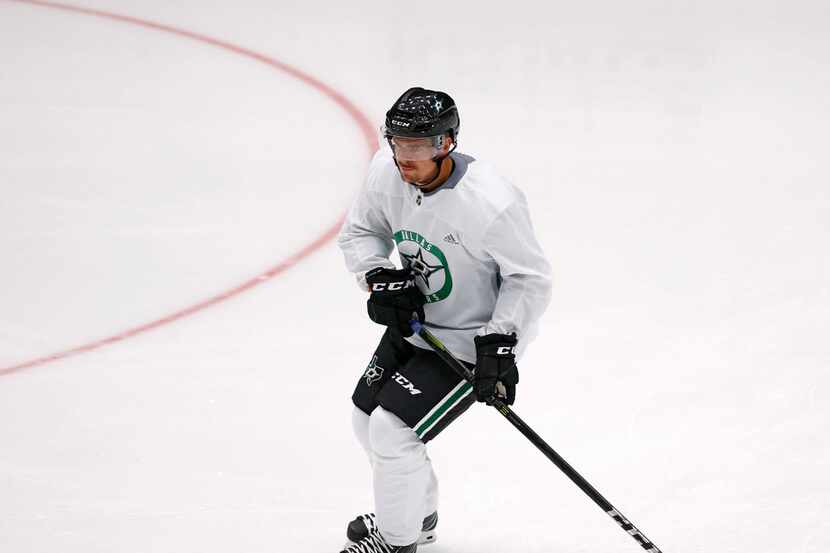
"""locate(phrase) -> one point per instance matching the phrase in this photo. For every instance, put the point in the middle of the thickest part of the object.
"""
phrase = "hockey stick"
(536, 440)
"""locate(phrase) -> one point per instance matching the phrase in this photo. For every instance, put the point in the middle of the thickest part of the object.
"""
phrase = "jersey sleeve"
(524, 273)
(366, 236)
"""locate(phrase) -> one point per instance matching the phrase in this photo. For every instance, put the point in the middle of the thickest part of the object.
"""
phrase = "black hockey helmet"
(422, 113)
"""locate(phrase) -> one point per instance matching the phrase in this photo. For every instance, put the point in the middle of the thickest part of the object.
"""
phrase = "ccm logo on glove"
(392, 286)
(506, 350)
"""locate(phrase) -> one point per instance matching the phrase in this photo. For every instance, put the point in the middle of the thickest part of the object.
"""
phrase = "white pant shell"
(405, 486)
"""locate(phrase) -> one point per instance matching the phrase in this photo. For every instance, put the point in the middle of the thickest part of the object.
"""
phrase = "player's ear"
(447, 143)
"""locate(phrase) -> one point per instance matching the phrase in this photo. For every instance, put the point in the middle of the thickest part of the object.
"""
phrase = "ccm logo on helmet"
(506, 350)
(392, 286)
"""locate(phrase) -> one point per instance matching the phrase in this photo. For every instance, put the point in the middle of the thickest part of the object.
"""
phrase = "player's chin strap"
(439, 162)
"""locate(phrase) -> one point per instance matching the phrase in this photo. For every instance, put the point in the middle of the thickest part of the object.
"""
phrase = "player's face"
(419, 172)
(415, 156)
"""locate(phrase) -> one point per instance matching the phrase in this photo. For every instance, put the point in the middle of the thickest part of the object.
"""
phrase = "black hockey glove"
(496, 364)
(395, 299)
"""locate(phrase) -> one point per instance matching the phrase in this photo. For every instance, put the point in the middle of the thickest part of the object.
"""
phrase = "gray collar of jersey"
(462, 162)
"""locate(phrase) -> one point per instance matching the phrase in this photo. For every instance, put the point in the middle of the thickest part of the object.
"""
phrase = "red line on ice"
(358, 117)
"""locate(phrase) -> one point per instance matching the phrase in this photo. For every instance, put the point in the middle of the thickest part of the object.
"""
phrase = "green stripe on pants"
(461, 392)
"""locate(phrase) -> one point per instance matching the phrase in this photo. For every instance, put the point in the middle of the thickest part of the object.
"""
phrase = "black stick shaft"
(537, 440)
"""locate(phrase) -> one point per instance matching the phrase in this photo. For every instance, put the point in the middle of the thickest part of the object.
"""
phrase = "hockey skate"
(372, 541)
(360, 527)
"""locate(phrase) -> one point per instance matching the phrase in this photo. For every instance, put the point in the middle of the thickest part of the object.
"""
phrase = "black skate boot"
(359, 528)
(373, 542)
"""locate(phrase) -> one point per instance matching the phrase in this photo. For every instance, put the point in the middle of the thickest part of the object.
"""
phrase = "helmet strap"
(441, 174)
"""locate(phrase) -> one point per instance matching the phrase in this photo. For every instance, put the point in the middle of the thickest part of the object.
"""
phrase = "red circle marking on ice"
(358, 117)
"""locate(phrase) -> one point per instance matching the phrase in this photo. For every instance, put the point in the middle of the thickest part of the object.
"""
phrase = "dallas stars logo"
(428, 263)
(374, 372)
(421, 268)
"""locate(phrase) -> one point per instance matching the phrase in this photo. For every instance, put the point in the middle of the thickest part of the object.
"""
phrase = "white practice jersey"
(470, 243)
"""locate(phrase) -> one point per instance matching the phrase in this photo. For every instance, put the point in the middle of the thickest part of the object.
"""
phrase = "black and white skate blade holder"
(497, 402)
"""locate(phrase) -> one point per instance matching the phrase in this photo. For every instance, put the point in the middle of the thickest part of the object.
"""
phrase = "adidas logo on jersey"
(452, 239)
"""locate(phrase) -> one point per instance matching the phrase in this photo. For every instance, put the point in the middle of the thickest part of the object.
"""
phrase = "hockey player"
(473, 273)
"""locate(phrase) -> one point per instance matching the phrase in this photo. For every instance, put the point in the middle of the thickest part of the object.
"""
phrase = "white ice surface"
(675, 157)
